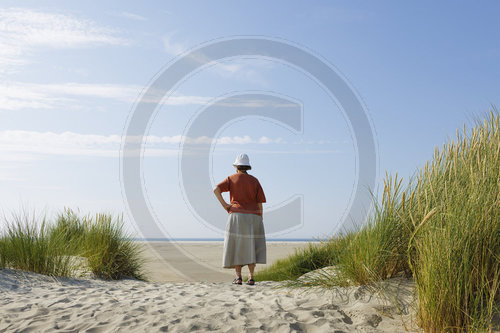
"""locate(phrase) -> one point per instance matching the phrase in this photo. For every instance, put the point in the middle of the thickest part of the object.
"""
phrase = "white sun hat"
(242, 159)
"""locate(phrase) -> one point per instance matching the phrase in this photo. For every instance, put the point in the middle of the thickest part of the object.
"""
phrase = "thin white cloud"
(297, 152)
(171, 47)
(6, 178)
(23, 31)
(18, 95)
(248, 70)
(132, 16)
(176, 48)
(239, 140)
(266, 140)
(182, 100)
(67, 143)
(75, 144)
(221, 67)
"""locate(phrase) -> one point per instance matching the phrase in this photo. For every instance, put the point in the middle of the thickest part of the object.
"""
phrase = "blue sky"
(71, 72)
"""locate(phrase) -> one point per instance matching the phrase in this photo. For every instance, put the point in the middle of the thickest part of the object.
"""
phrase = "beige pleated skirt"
(245, 240)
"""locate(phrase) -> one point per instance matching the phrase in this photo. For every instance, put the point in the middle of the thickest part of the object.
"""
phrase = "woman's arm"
(261, 209)
(221, 199)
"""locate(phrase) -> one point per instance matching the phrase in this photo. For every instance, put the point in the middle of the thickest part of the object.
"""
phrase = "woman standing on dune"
(245, 240)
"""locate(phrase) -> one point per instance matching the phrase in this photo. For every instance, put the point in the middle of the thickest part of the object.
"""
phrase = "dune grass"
(443, 229)
(374, 252)
(316, 255)
(455, 254)
(53, 248)
(28, 245)
(377, 251)
(2, 253)
(110, 254)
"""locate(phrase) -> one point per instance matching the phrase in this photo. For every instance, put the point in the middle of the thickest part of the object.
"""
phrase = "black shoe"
(251, 282)
(238, 281)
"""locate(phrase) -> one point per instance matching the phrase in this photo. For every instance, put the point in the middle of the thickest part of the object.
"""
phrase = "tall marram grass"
(378, 250)
(316, 255)
(110, 255)
(455, 247)
(28, 245)
(443, 229)
(51, 248)
(3, 258)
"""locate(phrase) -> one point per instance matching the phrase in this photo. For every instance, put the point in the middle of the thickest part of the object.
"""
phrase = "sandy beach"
(200, 261)
(36, 303)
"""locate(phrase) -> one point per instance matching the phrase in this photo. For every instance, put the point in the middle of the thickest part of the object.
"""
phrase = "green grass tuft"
(110, 254)
(28, 245)
(302, 261)
(57, 249)
(3, 257)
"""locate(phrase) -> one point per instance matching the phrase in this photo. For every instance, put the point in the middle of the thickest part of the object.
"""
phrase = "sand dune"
(37, 303)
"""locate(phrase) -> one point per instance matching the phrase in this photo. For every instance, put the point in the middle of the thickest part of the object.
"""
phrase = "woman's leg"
(251, 268)
(237, 268)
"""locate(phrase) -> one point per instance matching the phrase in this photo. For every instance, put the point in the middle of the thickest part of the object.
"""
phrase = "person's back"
(245, 193)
